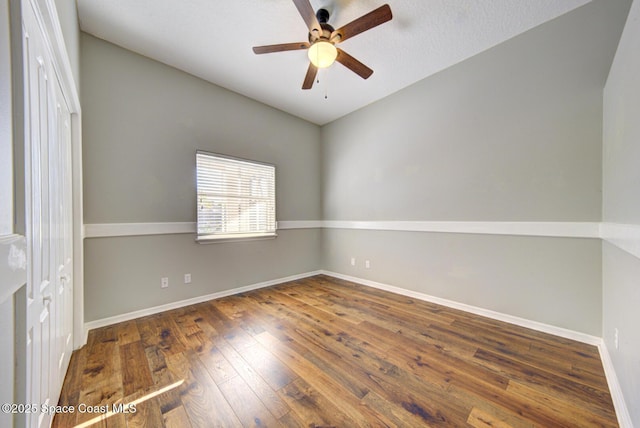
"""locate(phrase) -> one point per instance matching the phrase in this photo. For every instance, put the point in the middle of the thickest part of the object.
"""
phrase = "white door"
(48, 210)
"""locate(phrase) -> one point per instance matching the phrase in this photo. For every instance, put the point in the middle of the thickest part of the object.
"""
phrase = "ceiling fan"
(323, 38)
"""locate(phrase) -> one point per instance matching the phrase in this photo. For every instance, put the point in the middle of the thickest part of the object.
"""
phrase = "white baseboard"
(192, 301)
(511, 319)
(622, 412)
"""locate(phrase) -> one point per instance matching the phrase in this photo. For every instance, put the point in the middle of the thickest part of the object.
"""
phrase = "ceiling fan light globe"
(322, 54)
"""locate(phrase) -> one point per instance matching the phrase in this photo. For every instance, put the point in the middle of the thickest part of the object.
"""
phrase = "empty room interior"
(205, 225)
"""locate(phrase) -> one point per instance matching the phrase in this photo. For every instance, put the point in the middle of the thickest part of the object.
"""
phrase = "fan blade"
(280, 48)
(310, 77)
(309, 16)
(353, 64)
(364, 23)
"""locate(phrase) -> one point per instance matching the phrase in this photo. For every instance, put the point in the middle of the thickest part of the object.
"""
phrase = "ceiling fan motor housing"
(323, 17)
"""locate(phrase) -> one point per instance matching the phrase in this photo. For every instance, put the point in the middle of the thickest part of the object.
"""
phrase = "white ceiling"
(213, 40)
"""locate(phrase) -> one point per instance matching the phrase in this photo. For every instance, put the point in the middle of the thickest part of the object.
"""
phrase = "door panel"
(62, 237)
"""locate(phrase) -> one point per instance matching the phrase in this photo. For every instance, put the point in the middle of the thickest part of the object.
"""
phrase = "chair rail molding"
(105, 230)
(517, 228)
(624, 236)
(13, 264)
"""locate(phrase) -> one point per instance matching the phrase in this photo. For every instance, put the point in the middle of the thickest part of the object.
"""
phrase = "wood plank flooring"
(323, 352)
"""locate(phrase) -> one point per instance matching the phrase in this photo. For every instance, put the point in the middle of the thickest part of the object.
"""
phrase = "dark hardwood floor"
(324, 352)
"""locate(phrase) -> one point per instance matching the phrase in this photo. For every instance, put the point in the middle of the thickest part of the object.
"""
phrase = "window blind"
(236, 198)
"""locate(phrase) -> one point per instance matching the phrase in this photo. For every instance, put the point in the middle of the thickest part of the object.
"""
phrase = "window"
(236, 198)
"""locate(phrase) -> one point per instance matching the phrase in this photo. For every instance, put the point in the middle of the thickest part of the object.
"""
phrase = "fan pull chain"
(324, 84)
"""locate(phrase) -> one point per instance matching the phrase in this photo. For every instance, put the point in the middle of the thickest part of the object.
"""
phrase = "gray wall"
(550, 280)
(68, 16)
(621, 186)
(123, 273)
(512, 134)
(6, 209)
(142, 123)
(7, 227)
(6, 117)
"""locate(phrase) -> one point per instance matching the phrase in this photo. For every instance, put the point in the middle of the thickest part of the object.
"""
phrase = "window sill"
(214, 239)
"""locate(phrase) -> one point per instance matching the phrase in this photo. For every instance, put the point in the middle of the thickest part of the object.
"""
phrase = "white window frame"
(244, 211)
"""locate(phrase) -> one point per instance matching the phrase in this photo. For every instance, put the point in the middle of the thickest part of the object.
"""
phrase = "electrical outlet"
(187, 278)
(353, 261)
(164, 282)
(616, 338)
(367, 264)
